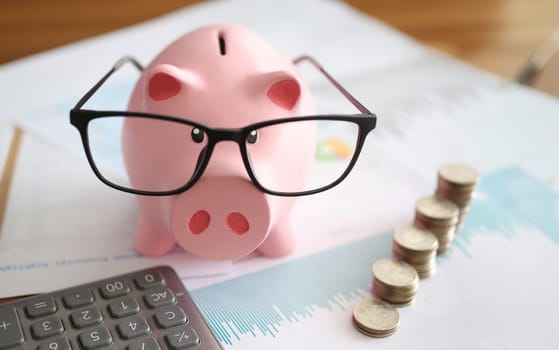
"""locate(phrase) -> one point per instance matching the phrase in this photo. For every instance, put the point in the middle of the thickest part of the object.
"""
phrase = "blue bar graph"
(259, 303)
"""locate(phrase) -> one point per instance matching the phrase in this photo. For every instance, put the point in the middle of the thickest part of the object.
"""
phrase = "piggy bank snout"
(221, 218)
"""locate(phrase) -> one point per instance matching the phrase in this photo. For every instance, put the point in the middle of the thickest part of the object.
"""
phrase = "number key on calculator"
(143, 310)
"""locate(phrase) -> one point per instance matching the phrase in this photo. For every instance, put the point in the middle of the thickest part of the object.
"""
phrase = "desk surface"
(496, 35)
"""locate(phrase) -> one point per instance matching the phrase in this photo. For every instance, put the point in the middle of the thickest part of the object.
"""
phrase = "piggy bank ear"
(284, 90)
(166, 81)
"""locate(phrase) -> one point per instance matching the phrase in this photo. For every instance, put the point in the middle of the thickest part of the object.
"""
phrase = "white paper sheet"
(42, 89)
(56, 204)
(431, 109)
(489, 290)
(62, 227)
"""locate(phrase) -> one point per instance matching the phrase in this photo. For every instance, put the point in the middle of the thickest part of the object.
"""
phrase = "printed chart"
(497, 276)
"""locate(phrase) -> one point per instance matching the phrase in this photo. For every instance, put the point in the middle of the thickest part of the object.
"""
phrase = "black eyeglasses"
(182, 156)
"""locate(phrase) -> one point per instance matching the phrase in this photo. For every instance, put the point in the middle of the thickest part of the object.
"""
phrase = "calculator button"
(86, 317)
(159, 297)
(124, 307)
(55, 344)
(41, 306)
(150, 279)
(182, 338)
(169, 316)
(47, 327)
(133, 327)
(77, 298)
(11, 333)
(144, 344)
(115, 288)
(94, 338)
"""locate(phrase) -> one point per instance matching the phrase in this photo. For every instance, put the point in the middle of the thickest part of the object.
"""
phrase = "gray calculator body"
(143, 310)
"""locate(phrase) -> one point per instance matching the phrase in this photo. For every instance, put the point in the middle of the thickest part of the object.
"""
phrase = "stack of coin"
(417, 247)
(395, 282)
(439, 216)
(457, 183)
(375, 318)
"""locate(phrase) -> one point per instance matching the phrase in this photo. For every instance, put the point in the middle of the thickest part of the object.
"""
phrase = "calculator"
(144, 310)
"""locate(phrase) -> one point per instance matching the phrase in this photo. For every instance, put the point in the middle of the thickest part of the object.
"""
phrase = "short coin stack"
(417, 247)
(375, 318)
(457, 183)
(439, 216)
(395, 282)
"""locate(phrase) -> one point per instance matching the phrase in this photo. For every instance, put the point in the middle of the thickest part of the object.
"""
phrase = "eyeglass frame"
(80, 118)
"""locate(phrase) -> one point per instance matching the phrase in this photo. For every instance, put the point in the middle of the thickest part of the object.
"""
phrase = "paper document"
(431, 109)
(59, 211)
(486, 290)
(362, 44)
(62, 227)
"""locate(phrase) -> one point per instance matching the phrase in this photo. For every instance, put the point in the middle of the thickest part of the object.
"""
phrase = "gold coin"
(461, 200)
(385, 292)
(427, 273)
(447, 187)
(411, 259)
(372, 334)
(459, 174)
(396, 300)
(414, 260)
(433, 227)
(375, 318)
(395, 273)
(415, 239)
(437, 209)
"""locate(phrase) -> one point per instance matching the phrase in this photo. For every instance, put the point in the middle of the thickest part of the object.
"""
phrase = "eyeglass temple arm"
(117, 65)
(128, 59)
(338, 86)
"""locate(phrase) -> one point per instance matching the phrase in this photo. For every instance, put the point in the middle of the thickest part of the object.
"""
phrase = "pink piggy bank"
(222, 77)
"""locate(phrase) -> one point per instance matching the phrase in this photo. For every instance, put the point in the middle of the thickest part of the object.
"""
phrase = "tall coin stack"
(457, 183)
(417, 247)
(395, 282)
(439, 216)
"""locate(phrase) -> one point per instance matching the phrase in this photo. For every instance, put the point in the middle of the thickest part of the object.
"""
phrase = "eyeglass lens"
(304, 155)
(157, 155)
(145, 154)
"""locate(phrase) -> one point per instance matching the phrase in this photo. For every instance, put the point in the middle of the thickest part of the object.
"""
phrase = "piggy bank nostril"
(238, 223)
(199, 222)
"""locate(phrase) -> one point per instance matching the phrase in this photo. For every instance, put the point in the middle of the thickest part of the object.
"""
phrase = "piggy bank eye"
(252, 137)
(197, 135)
